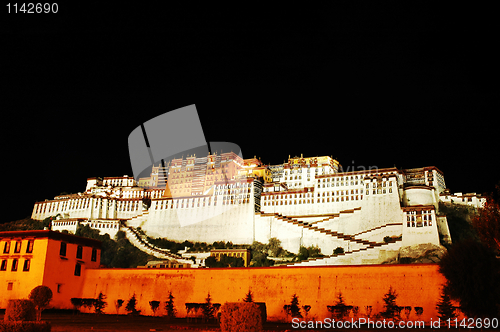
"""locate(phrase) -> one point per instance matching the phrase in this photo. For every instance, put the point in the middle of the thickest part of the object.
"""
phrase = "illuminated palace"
(369, 213)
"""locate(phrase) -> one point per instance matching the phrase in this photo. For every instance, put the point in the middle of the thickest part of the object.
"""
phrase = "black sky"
(371, 84)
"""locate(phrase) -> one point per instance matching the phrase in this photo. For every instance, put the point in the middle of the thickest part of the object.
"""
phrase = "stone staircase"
(337, 215)
(353, 242)
(138, 220)
(363, 251)
(142, 243)
(368, 255)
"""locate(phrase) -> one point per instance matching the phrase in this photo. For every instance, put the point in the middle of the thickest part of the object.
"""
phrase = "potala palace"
(302, 202)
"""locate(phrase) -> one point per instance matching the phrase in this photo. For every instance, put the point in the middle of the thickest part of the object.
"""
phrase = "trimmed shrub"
(41, 297)
(263, 311)
(240, 316)
(25, 326)
(20, 310)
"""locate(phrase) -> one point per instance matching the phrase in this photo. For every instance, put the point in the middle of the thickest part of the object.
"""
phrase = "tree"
(294, 309)
(309, 252)
(274, 247)
(248, 297)
(19, 310)
(340, 309)
(154, 306)
(487, 222)
(208, 308)
(260, 253)
(472, 272)
(41, 297)
(459, 217)
(169, 306)
(115, 253)
(131, 306)
(445, 308)
(391, 309)
(303, 253)
(99, 303)
(338, 250)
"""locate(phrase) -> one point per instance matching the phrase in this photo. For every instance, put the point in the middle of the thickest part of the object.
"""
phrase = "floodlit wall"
(18, 284)
(218, 223)
(417, 285)
(48, 265)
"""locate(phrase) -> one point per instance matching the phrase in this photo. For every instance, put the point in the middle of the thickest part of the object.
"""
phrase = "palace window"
(14, 264)
(4, 265)
(26, 266)
(62, 249)
(6, 248)
(78, 269)
(79, 252)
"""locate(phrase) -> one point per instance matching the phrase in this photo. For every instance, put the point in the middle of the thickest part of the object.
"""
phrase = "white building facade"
(308, 201)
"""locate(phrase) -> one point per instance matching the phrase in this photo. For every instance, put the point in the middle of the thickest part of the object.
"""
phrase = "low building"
(241, 253)
(43, 257)
(165, 264)
(469, 199)
(199, 257)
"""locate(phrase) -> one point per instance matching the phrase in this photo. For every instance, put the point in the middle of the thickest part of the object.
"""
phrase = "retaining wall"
(417, 285)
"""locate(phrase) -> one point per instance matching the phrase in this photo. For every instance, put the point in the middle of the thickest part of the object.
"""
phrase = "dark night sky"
(371, 84)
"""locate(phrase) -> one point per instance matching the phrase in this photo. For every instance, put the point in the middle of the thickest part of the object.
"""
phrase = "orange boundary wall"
(417, 285)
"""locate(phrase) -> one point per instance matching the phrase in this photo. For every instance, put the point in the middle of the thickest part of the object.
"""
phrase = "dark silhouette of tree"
(338, 250)
(487, 222)
(41, 297)
(208, 309)
(390, 306)
(472, 272)
(130, 307)
(340, 309)
(293, 308)
(169, 306)
(115, 253)
(248, 297)
(445, 308)
(309, 252)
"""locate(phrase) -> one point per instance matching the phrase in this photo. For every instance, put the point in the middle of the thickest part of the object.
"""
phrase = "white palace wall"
(217, 223)
(368, 205)
(88, 208)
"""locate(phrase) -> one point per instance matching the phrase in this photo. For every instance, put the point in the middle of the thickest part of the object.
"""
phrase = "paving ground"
(67, 322)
